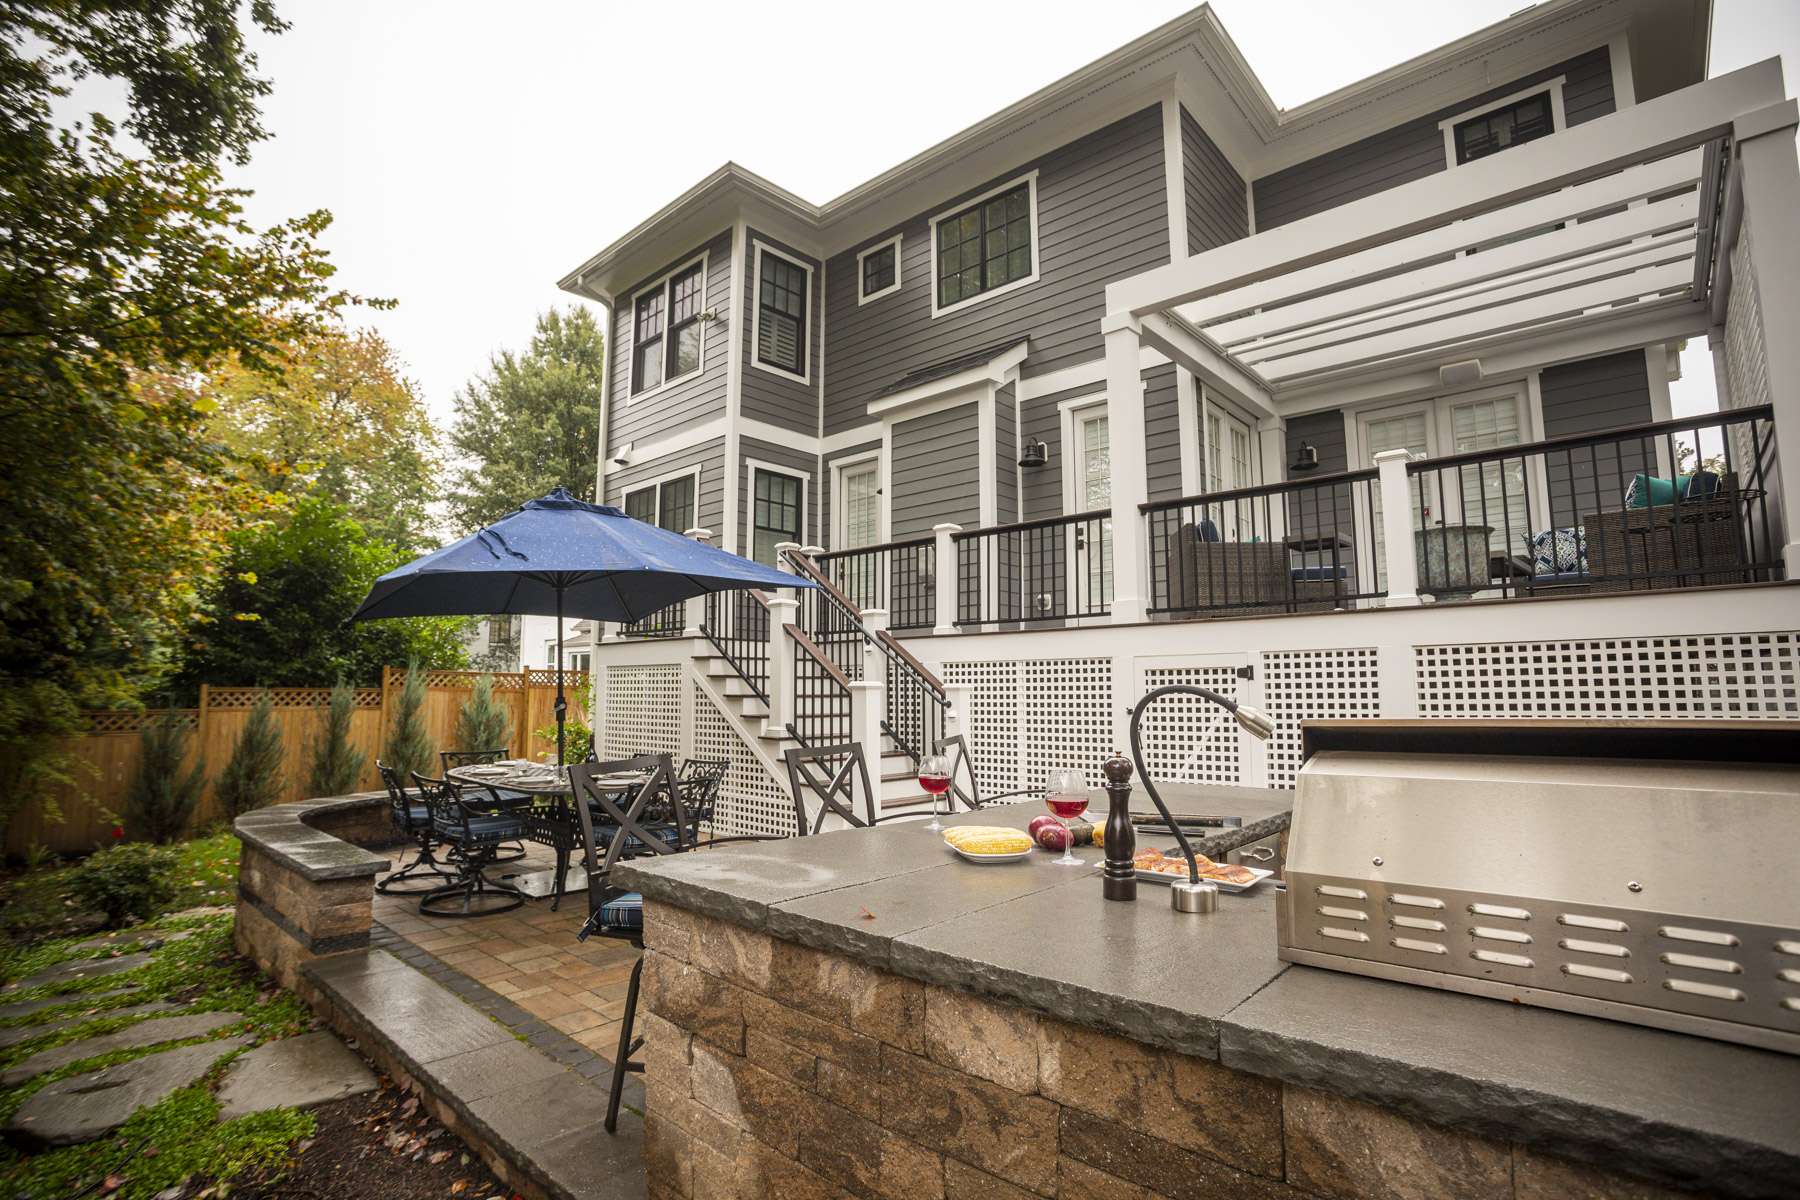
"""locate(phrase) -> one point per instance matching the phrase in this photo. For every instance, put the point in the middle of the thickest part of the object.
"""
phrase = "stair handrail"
(812, 651)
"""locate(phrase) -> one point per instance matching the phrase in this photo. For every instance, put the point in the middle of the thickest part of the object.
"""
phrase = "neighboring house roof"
(948, 367)
(1668, 39)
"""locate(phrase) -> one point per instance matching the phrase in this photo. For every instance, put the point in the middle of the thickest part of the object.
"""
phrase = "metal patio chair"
(412, 818)
(448, 760)
(830, 774)
(965, 786)
(467, 820)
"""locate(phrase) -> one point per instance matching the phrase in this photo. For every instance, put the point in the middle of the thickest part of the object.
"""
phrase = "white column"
(867, 704)
(1130, 470)
(1271, 438)
(1771, 188)
(1396, 528)
(781, 663)
(945, 560)
(695, 616)
(961, 701)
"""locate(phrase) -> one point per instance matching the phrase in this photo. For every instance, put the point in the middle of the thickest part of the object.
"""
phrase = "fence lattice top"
(130, 722)
(244, 697)
(504, 681)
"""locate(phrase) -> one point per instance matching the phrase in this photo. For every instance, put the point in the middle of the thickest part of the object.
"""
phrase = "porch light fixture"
(1034, 454)
(1306, 458)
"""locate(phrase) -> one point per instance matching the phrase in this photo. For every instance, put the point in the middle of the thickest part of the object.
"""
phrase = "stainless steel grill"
(1662, 892)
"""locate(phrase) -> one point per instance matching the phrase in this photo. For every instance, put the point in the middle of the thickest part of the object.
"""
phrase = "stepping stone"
(24, 1033)
(82, 968)
(84, 1107)
(144, 1033)
(296, 1072)
(136, 939)
(24, 1008)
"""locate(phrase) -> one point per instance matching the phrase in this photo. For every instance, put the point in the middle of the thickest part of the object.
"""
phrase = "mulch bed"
(380, 1146)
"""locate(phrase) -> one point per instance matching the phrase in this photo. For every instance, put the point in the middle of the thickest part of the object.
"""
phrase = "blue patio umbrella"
(562, 557)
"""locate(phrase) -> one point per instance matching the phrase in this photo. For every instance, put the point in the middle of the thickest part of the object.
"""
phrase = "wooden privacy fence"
(106, 757)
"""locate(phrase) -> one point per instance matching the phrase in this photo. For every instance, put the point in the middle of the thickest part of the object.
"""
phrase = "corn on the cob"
(987, 839)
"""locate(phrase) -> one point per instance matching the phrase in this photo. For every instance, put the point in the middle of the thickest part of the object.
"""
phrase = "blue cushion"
(1559, 577)
(484, 827)
(623, 912)
(1560, 551)
(1314, 573)
(1205, 530)
(418, 814)
(604, 835)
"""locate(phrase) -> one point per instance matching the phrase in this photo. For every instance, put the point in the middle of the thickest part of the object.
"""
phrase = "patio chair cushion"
(1205, 530)
(623, 912)
(604, 834)
(1557, 551)
(1326, 573)
(485, 827)
(418, 814)
(1647, 490)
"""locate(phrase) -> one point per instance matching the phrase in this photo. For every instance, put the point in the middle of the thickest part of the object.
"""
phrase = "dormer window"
(1508, 124)
(878, 270)
(666, 328)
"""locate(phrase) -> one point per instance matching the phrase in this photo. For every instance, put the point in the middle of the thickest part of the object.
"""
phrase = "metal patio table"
(551, 823)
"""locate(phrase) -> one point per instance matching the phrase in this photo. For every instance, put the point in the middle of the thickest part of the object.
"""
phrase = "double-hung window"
(666, 328)
(668, 505)
(986, 246)
(1510, 125)
(783, 293)
(775, 512)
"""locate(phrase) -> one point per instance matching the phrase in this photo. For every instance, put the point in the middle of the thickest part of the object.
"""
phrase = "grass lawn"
(37, 903)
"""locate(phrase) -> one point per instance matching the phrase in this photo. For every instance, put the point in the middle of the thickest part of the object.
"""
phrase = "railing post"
(867, 706)
(944, 567)
(782, 610)
(959, 700)
(1402, 564)
(695, 615)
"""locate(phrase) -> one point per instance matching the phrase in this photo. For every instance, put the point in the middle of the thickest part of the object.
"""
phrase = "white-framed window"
(1501, 124)
(580, 660)
(777, 510)
(985, 247)
(878, 270)
(668, 502)
(667, 333)
(783, 314)
(856, 502)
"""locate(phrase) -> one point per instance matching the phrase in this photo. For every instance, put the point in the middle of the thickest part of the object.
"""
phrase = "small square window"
(984, 247)
(879, 271)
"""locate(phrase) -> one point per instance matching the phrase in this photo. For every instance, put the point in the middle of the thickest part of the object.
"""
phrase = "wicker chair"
(1688, 543)
(1207, 575)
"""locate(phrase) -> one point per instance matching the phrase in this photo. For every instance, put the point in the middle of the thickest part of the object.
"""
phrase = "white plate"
(486, 772)
(986, 859)
(1162, 877)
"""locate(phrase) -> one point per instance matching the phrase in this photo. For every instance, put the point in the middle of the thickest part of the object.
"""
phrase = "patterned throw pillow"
(1558, 551)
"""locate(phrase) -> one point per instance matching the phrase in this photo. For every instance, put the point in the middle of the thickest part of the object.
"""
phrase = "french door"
(1092, 578)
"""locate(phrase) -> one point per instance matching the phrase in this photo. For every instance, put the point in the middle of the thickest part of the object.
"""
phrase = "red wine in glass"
(1065, 795)
(934, 777)
(1067, 807)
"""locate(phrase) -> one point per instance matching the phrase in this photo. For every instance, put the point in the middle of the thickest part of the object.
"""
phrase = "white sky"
(472, 153)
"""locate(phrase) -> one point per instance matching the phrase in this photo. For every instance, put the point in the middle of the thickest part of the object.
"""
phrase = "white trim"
(757, 464)
(643, 453)
(632, 395)
(843, 439)
(890, 289)
(1623, 84)
(995, 370)
(655, 483)
(1189, 397)
(1559, 120)
(734, 383)
(758, 248)
(1029, 178)
(606, 391)
(1175, 177)
(838, 467)
(987, 434)
(1091, 372)
(968, 392)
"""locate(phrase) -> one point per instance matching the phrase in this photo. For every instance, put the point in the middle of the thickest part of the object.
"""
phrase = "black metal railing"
(1299, 546)
(737, 624)
(1052, 569)
(667, 622)
(1673, 504)
(915, 699)
(900, 577)
(821, 694)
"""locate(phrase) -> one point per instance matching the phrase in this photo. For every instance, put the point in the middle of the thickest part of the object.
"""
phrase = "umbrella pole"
(562, 705)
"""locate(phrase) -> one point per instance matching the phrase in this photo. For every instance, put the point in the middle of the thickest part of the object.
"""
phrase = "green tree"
(530, 423)
(279, 614)
(409, 747)
(127, 269)
(252, 777)
(342, 421)
(162, 796)
(336, 764)
(482, 724)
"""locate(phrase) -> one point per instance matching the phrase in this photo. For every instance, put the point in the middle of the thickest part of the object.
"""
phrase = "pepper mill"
(1119, 881)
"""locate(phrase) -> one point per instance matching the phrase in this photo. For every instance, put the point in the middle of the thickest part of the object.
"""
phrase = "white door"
(1492, 494)
(1227, 462)
(1395, 429)
(859, 524)
(1091, 582)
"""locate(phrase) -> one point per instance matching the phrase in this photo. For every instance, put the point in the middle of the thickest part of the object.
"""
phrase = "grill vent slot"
(1700, 962)
(1586, 947)
(1691, 987)
(1423, 947)
(1709, 937)
(1343, 914)
(1582, 921)
(1501, 935)
(1412, 901)
(1505, 960)
(1343, 935)
(1606, 974)
(1500, 910)
(1341, 893)
(1401, 921)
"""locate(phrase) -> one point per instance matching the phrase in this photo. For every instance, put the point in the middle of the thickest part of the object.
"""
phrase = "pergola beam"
(1180, 342)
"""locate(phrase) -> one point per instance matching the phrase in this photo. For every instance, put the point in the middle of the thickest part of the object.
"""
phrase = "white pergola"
(1617, 233)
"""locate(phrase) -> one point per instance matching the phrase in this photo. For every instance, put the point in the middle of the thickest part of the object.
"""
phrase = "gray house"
(1144, 378)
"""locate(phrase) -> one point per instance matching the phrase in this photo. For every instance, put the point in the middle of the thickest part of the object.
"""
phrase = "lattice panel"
(1737, 675)
(1746, 360)
(749, 800)
(643, 710)
(119, 721)
(1034, 714)
(1315, 685)
(991, 728)
(1187, 739)
(244, 697)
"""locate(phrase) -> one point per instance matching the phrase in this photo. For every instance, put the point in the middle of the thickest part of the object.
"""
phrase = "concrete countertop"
(1669, 1106)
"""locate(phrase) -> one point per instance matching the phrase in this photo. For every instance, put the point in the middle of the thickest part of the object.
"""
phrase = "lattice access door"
(1186, 739)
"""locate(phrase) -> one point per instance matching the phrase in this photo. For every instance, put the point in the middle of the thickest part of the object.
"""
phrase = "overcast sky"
(472, 153)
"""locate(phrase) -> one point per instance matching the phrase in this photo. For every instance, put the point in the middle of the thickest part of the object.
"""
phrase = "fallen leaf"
(113, 1183)
(151, 1152)
(457, 1188)
(867, 915)
(439, 1157)
(304, 1146)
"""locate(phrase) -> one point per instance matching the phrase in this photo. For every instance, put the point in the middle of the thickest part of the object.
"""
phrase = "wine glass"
(934, 777)
(1066, 796)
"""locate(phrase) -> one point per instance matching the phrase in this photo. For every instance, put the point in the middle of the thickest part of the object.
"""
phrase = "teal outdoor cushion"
(1646, 490)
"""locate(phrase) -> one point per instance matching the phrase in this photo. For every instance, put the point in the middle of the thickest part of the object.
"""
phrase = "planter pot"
(1452, 558)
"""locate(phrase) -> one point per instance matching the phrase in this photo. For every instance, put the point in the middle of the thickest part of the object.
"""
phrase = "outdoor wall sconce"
(1035, 454)
(1306, 458)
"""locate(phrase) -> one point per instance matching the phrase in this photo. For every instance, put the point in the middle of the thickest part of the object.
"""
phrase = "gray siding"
(1322, 510)
(937, 471)
(825, 538)
(1216, 200)
(709, 504)
(690, 401)
(1102, 215)
(797, 462)
(1415, 149)
(1006, 456)
(1591, 396)
(1162, 433)
(767, 396)
(1040, 419)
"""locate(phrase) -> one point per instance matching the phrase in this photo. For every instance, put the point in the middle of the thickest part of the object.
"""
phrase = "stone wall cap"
(283, 833)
